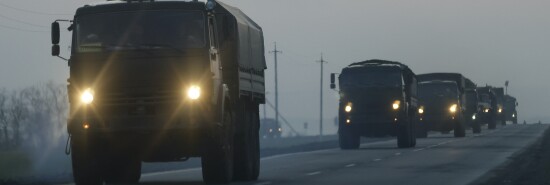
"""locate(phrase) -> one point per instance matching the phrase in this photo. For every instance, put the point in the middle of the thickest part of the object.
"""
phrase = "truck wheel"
(84, 161)
(459, 129)
(121, 169)
(347, 139)
(247, 153)
(476, 127)
(404, 132)
(421, 131)
(217, 161)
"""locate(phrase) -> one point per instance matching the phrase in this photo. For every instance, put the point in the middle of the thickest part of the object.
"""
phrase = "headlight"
(453, 108)
(486, 110)
(348, 107)
(421, 110)
(474, 117)
(194, 92)
(396, 104)
(87, 96)
(500, 110)
(513, 115)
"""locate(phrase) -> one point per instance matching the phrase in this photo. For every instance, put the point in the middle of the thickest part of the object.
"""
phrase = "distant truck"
(269, 128)
(488, 106)
(163, 81)
(499, 93)
(377, 98)
(443, 103)
(510, 109)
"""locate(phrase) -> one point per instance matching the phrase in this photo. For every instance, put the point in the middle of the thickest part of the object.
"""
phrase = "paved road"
(439, 159)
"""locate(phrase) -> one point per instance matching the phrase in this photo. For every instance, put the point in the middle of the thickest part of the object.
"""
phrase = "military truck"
(499, 93)
(269, 128)
(510, 111)
(471, 106)
(377, 98)
(163, 81)
(488, 106)
(442, 103)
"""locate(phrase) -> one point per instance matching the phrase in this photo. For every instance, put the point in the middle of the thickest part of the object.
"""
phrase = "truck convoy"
(377, 98)
(164, 81)
(443, 103)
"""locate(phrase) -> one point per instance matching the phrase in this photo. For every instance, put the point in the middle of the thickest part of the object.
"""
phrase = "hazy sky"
(488, 41)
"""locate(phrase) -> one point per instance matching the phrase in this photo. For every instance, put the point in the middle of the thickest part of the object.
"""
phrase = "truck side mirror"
(55, 50)
(55, 33)
(332, 81)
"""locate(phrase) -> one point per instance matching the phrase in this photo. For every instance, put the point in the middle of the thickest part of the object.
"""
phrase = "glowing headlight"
(474, 117)
(280, 129)
(453, 108)
(486, 110)
(194, 92)
(87, 96)
(421, 110)
(513, 115)
(395, 104)
(348, 107)
(500, 110)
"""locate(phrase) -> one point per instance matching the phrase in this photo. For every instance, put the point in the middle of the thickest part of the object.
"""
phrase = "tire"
(86, 165)
(217, 161)
(459, 129)
(347, 139)
(421, 131)
(247, 149)
(476, 127)
(404, 132)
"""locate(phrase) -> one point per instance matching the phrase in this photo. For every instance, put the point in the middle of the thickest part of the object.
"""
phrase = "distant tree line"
(34, 116)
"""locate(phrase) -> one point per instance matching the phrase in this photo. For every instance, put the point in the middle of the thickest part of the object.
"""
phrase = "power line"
(30, 11)
(21, 29)
(23, 22)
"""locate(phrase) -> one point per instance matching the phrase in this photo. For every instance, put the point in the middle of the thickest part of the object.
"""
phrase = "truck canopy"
(380, 63)
(457, 77)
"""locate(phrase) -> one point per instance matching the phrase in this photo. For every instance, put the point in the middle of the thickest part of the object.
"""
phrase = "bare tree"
(4, 119)
(17, 114)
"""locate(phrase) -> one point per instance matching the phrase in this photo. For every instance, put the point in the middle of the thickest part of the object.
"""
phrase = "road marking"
(169, 172)
(420, 149)
(314, 173)
(376, 160)
(263, 183)
(398, 153)
(350, 165)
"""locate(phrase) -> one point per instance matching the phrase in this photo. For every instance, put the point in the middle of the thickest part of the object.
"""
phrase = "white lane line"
(263, 183)
(398, 153)
(313, 173)
(350, 165)
(376, 160)
(420, 149)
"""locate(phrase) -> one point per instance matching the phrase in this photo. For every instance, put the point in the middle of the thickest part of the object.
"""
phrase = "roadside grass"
(13, 164)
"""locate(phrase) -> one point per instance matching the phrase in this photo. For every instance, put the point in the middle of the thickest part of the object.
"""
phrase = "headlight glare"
(396, 104)
(474, 117)
(453, 108)
(194, 92)
(421, 110)
(87, 96)
(348, 107)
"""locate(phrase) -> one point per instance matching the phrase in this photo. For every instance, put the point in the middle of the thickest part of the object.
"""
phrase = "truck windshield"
(372, 77)
(430, 90)
(174, 30)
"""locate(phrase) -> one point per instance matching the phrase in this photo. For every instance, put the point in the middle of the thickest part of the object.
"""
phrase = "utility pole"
(506, 84)
(322, 61)
(275, 52)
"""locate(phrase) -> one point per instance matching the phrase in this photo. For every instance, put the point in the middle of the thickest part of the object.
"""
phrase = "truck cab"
(510, 105)
(488, 106)
(377, 98)
(163, 81)
(441, 107)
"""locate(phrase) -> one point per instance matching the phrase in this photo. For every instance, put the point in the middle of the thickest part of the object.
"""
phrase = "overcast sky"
(488, 41)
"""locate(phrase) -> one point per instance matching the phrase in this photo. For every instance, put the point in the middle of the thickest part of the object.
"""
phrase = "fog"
(488, 41)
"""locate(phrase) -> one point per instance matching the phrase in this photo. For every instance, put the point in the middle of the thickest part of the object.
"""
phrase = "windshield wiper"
(160, 46)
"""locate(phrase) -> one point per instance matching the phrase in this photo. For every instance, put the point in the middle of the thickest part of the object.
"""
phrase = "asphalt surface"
(439, 159)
